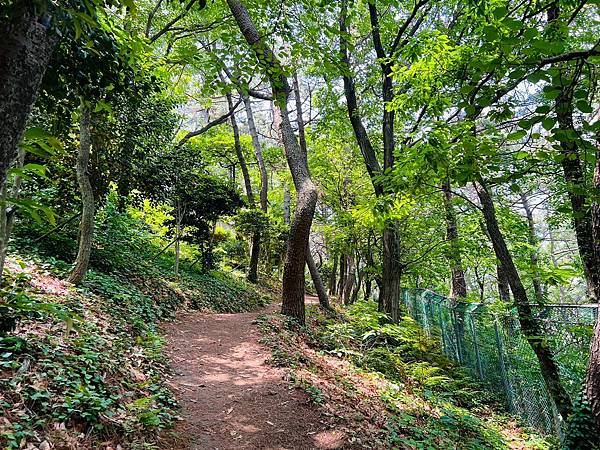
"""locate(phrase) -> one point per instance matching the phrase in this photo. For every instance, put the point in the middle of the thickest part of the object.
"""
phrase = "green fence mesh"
(488, 342)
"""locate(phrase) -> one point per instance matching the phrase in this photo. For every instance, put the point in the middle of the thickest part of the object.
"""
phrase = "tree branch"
(168, 26)
(209, 125)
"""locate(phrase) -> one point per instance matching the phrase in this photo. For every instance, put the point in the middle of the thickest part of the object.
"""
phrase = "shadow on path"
(230, 397)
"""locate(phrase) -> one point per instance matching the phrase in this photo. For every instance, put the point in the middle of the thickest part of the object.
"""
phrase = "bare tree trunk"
(369, 265)
(392, 272)
(458, 287)
(295, 258)
(359, 280)
(389, 296)
(26, 46)
(342, 280)
(255, 241)
(586, 213)
(533, 254)
(333, 277)
(481, 283)
(316, 277)
(264, 182)
(592, 380)
(503, 286)
(349, 281)
(529, 326)
(88, 211)
(238, 151)
(299, 118)
(314, 273)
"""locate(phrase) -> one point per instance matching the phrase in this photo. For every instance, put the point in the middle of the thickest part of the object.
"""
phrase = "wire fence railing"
(486, 339)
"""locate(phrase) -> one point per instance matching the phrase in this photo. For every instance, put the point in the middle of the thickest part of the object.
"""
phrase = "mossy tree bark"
(86, 225)
(26, 46)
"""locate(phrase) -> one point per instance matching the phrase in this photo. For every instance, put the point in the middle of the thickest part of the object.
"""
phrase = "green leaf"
(530, 33)
(491, 33)
(516, 74)
(513, 24)
(500, 12)
(35, 133)
(584, 106)
(515, 136)
(548, 123)
(521, 154)
(538, 76)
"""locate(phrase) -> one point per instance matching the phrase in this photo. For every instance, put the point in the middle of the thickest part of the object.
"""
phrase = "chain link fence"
(486, 339)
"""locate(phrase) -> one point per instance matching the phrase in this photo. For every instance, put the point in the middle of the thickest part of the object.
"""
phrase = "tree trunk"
(458, 285)
(7, 216)
(369, 265)
(529, 326)
(254, 258)
(359, 280)
(86, 226)
(368, 288)
(297, 247)
(26, 46)
(333, 277)
(264, 182)
(316, 278)
(299, 118)
(586, 216)
(392, 271)
(481, 283)
(239, 153)
(255, 241)
(577, 190)
(592, 380)
(342, 280)
(503, 286)
(349, 281)
(533, 253)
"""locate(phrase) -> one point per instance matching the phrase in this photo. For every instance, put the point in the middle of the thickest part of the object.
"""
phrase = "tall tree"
(530, 327)
(297, 247)
(312, 267)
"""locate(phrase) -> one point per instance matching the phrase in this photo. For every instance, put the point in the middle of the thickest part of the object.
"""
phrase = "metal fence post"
(425, 319)
(442, 328)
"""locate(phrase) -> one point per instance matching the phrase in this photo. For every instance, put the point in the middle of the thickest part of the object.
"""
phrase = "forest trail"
(231, 397)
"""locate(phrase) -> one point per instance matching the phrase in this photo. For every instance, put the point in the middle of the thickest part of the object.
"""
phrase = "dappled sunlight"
(231, 395)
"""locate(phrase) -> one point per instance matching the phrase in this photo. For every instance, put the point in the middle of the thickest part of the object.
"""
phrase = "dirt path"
(230, 397)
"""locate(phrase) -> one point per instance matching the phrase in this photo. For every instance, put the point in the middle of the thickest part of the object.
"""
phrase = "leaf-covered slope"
(83, 368)
(388, 386)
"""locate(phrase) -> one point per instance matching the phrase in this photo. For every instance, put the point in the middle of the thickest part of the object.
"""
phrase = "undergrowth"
(393, 380)
(83, 367)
